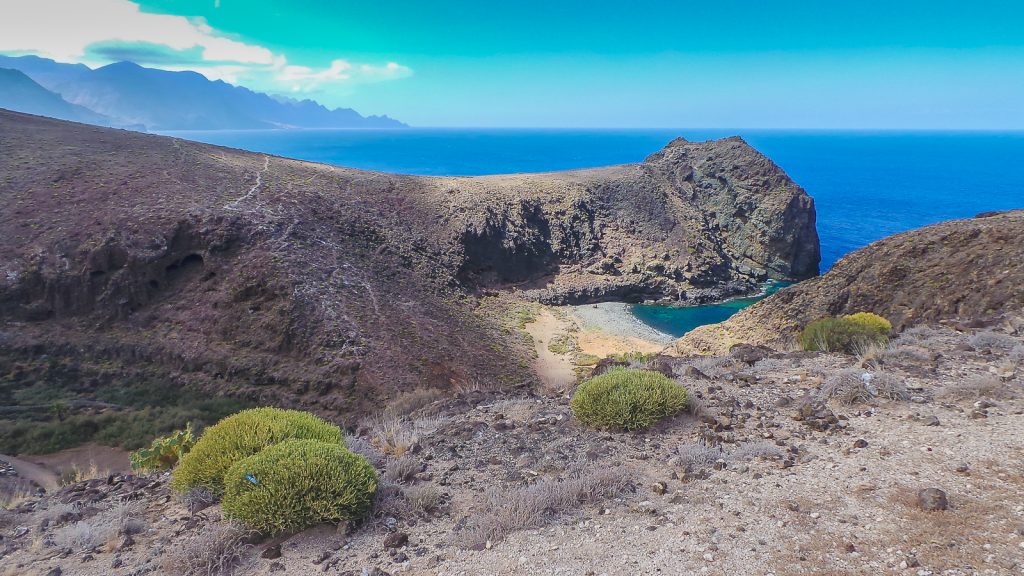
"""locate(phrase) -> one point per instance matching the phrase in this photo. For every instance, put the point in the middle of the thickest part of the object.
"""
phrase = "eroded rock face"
(307, 285)
(968, 270)
(694, 222)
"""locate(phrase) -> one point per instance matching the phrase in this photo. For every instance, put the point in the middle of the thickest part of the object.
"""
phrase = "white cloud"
(65, 30)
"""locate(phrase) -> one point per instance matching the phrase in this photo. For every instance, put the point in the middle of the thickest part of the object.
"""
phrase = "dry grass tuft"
(16, 493)
(989, 341)
(423, 500)
(414, 400)
(978, 386)
(699, 456)
(217, 550)
(504, 511)
(402, 469)
(76, 474)
(856, 386)
(395, 435)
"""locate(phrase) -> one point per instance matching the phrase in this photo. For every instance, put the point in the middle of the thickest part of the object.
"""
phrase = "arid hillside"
(132, 257)
(958, 270)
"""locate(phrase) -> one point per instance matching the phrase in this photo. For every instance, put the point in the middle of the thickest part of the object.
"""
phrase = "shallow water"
(678, 320)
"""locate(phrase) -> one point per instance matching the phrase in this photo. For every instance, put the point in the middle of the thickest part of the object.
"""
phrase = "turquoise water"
(678, 320)
(866, 185)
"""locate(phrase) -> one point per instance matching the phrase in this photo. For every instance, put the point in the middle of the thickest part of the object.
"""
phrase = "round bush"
(872, 322)
(627, 399)
(298, 483)
(850, 334)
(241, 435)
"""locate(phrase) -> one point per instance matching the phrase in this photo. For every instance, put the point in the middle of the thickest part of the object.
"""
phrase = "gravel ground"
(791, 486)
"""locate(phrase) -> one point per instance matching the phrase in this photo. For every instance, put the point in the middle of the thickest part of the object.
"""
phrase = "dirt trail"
(555, 370)
(34, 472)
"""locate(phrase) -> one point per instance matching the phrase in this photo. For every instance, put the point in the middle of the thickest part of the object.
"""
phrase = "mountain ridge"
(134, 95)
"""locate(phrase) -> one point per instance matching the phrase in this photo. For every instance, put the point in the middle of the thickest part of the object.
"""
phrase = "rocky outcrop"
(962, 270)
(694, 222)
(294, 283)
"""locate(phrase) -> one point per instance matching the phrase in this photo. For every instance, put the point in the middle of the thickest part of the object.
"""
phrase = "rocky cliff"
(295, 283)
(962, 270)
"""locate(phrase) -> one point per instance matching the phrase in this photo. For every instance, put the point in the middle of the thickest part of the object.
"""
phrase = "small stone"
(323, 556)
(659, 488)
(276, 567)
(272, 552)
(962, 468)
(931, 421)
(55, 571)
(396, 540)
(709, 557)
(860, 443)
(932, 499)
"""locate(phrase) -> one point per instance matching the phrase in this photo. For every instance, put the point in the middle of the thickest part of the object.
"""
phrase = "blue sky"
(933, 64)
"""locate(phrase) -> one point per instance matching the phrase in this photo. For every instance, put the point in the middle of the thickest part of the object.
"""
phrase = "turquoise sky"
(708, 63)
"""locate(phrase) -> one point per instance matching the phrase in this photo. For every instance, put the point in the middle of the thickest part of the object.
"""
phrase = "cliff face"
(302, 284)
(965, 270)
(694, 222)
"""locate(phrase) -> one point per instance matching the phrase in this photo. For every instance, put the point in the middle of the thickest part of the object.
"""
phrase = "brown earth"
(298, 284)
(968, 270)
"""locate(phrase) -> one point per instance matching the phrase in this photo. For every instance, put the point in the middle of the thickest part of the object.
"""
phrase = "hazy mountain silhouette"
(129, 94)
(19, 92)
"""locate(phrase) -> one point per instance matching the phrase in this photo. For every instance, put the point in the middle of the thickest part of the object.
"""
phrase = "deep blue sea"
(866, 185)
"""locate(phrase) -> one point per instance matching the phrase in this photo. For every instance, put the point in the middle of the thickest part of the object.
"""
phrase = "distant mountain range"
(127, 95)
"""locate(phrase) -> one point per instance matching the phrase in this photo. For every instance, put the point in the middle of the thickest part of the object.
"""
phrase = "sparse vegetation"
(627, 399)
(239, 436)
(855, 386)
(423, 500)
(505, 511)
(850, 334)
(973, 387)
(699, 456)
(164, 452)
(402, 469)
(125, 407)
(298, 483)
(989, 341)
(215, 551)
(562, 344)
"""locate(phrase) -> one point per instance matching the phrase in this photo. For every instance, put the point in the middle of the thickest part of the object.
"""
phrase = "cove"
(678, 320)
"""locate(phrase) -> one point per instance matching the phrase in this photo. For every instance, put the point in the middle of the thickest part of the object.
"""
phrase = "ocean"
(866, 185)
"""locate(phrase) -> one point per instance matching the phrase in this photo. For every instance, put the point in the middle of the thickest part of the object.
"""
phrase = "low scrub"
(298, 483)
(217, 550)
(506, 511)
(853, 386)
(627, 399)
(242, 435)
(164, 452)
(851, 334)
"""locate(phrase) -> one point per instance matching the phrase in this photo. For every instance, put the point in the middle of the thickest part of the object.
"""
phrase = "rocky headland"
(298, 284)
(966, 271)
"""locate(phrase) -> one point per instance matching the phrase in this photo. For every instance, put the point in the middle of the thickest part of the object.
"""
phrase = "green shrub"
(164, 452)
(298, 483)
(627, 399)
(870, 321)
(849, 334)
(239, 436)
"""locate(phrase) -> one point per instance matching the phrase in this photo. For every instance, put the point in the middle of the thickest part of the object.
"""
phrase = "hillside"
(136, 267)
(132, 95)
(19, 92)
(763, 473)
(957, 270)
